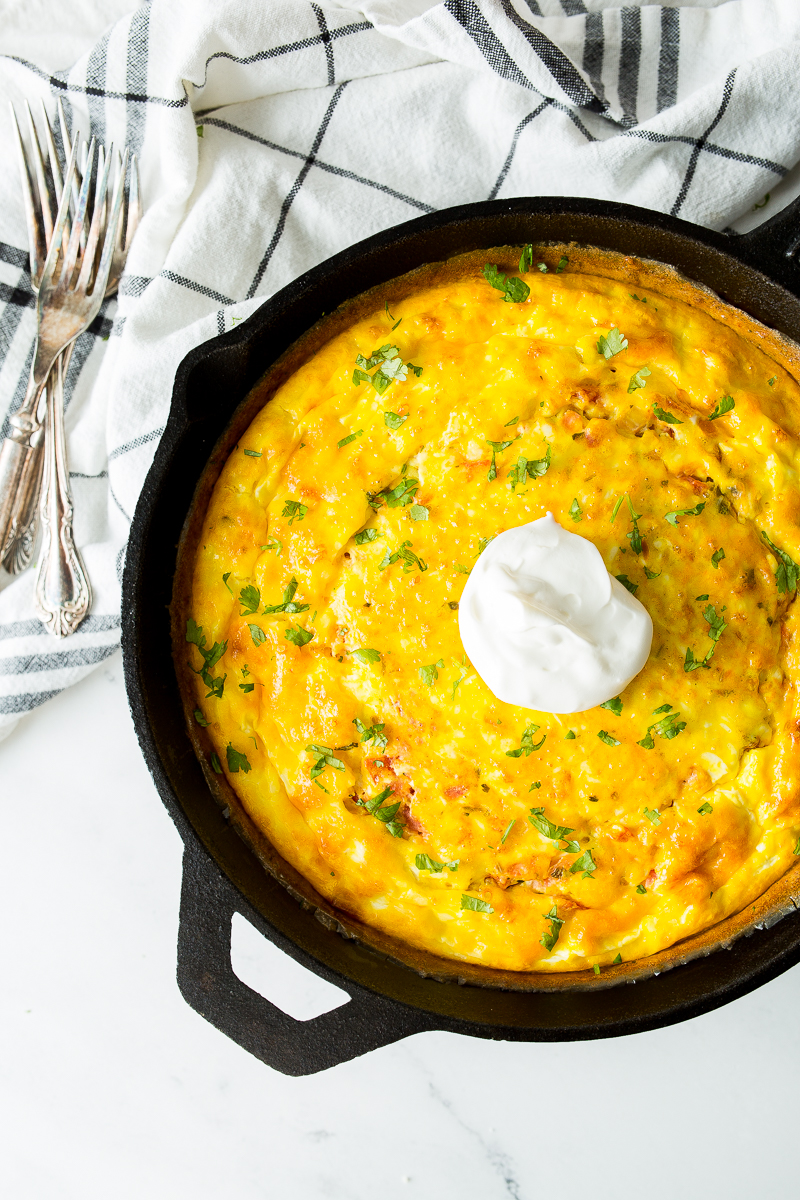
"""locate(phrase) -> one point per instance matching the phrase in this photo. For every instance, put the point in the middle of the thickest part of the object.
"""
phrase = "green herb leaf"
(773, 380)
(547, 828)
(607, 738)
(430, 674)
(526, 468)
(548, 940)
(569, 736)
(627, 583)
(247, 687)
(717, 557)
(237, 761)
(672, 518)
(424, 862)
(638, 380)
(651, 574)
(614, 706)
(526, 744)
(366, 655)
(225, 579)
(725, 405)
(788, 571)
(404, 555)
(705, 809)
(253, 453)
(472, 903)
(647, 742)
(667, 707)
(535, 786)
(198, 716)
(652, 815)
(617, 960)
(613, 343)
(366, 535)
(297, 635)
(663, 415)
(249, 598)
(393, 420)
(514, 290)
(215, 763)
(703, 597)
(387, 814)
(585, 863)
(418, 512)
(542, 267)
(345, 441)
(371, 734)
(288, 604)
(526, 261)
(508, 829)
(273, 544)
(294, 509)
(497, 447)
(575, 511)
(641, 889)
(562, 262)
(257, 634)
(513, 421)
(389, 315)
(483, 543)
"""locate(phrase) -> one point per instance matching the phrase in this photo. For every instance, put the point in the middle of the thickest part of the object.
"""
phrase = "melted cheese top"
(503, 836)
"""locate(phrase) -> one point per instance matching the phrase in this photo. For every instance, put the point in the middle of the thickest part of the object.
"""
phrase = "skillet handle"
(775, 245)
(208, 984)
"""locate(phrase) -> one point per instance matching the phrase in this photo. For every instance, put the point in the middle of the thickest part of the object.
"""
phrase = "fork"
(17, 551)
(64, 310)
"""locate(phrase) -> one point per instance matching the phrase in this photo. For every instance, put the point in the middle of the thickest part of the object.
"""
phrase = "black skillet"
(756, 272)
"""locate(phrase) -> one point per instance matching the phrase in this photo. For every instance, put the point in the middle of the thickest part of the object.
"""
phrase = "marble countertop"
(113, 1086)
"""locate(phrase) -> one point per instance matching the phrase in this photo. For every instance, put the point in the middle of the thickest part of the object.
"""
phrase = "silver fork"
(64, 309)
(17, 551)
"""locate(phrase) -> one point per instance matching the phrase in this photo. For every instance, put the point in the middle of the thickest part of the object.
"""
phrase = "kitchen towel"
(271, 135)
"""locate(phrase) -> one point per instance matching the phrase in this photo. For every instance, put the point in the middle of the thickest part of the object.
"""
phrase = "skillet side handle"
(774, 247)
(208, 984)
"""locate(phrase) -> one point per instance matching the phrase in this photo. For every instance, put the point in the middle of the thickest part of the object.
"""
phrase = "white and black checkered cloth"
(321, 124)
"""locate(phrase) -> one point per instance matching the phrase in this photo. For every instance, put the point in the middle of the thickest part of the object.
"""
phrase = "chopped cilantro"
(614, 706)
(198, 716)
(225, 579)
(237, 761)
(585, 863)
(796, 847)
(526, 743)
(672, 518)
(529, 468)
(257, 634)
(366, 655)
(607, 738)
(430, 674)
(717, 557)
(612, 343)
(408, 558)
(634, 537)
(617, 960)
(497, 448)
(390, 368)
(652, 815)
(288, 604)
(397, 497)
(575, 511)
(474, 904)
(195, 635)
(596, 969)
(717, 627)
(703, 597)
(387, 814)
(641, 889)
(562, 262)
(366, 535)
(555, 833)
(464, 570)
(534, 786)
(725, 405)
(215, 763)
(705, 809)
(393, 420)
(483, 543)
(297, 635)
(509, 827)
(371, 733)
(667, 707)
(253, 453)
(549, 940)
(627, 583)
(639, 380)
(515, 291)
(773, 380)
(273, 544)
(788, 571)
(569, 736)
(345, 441)
(651, 574)
(247, 687)
(324, 757)
(424, 862)
(389, 315)
(249, 598)
(418, 512)
(663, 415)
(542, 267)
(526, 260)
(294, 509)
(513, 421)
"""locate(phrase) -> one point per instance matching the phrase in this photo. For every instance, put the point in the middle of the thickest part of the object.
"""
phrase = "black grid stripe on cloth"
(33, 628)
(629, 59)
(557, 63)
(136, 78)
(61, 86)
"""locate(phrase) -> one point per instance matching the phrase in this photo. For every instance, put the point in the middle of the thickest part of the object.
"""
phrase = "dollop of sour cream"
(546, 626)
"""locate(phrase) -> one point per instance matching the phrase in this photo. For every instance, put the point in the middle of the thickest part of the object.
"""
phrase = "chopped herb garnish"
(483, 543)
(569, 736)
(651, 574)
(273, 544)
(585, 863)
(725, 405)
(513, 421)
(555, 833)
(652, 815)
(575, 511)
(424, 862)
(703, 597)
(397, 497)
(253, 453)
(247, 687)
(294, 509)
(717, 557)
(366, 535)
(562, 262)
(717, 627)
(387, 814)
(195, 635)
(464, 570)
(366, 655)
(288, 604)
(549, 940)
(641, 889)
(257, 634)
(345, 441)
(391, 368)
(237, 761)
(672, 518)
(663, 415)
(542, 267)
(612, 343)
(509, 827)
(430, 674)
(324, 757)
(617, 960)
(393, 420)
(788, 571)
(528, 468)
(297, 635)
(773, 380)
(389, 315)
(614, 706)
(249, 598)
(406, 556)
(526, 261)
(667, 707)
(705, 809)
(535, 786)
(215, 763)
(514, 290)
(371, 734)
(198, 716)
(497, 448)
(796, 847)
(627, 583)
(225, 579)
(418, 512)
(607, 738)
(526, 743)
(638, 380)
(473, 903)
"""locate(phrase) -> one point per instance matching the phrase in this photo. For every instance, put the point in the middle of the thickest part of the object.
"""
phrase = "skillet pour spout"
(395, 990)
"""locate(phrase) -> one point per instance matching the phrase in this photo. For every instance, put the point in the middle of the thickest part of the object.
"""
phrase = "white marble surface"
(112, 1087)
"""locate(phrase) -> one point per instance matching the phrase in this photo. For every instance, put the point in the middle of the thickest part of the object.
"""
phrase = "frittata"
(323, 633)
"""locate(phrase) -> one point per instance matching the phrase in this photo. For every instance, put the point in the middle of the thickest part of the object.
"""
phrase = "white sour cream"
(546, 626)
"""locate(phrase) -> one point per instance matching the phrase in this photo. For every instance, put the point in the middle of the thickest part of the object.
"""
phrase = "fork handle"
(20, 467)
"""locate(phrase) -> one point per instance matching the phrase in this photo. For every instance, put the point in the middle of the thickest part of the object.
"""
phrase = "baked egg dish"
(319, 647)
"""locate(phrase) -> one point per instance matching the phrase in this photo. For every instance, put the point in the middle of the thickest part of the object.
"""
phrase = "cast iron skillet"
(756, 272)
